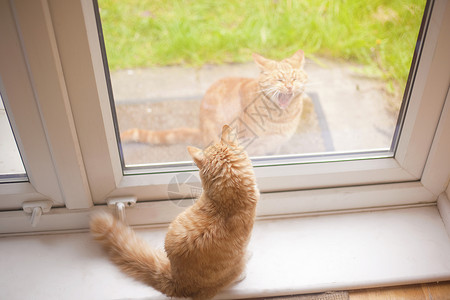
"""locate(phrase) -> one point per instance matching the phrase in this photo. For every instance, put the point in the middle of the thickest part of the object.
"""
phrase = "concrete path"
(352, 110)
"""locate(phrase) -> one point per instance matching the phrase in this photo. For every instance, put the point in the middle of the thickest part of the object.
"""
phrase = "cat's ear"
(197, 155)
(297, 60)
(264, 63)
(229, 135)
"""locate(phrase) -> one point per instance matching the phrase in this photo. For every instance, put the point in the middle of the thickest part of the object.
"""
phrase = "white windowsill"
(290, 256)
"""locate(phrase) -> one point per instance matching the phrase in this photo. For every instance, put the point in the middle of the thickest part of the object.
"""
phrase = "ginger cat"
(264, 111)
(205, 246)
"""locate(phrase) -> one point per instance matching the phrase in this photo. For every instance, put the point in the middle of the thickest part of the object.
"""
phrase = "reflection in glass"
(294, 77)
(11, 166)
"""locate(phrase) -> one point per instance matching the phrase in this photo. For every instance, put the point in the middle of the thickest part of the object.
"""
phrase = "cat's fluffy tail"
(132, 254)
(163, 137)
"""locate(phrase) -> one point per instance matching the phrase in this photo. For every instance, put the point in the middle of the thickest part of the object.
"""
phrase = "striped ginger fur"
(205, 246)
(265, 110)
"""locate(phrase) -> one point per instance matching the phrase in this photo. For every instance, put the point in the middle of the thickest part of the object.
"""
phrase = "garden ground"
(347, 111)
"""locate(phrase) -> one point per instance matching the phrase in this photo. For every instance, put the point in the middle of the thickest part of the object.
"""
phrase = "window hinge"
(119, 205)
(36, 209)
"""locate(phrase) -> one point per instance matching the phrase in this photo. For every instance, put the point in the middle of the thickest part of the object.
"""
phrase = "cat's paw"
(241, 277)
(248, 255)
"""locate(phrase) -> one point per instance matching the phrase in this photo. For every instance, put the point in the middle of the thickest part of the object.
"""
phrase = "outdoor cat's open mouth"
(284, 100)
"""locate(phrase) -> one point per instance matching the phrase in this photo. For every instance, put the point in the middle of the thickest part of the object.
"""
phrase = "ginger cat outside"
(205, 246)
(264, 111)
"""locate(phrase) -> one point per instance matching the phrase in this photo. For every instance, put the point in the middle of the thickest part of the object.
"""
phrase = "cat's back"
(199, 232)
(229, 83)
(222, 104)
(226, 88)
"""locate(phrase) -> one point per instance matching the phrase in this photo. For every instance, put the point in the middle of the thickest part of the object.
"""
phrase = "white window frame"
(39, 110)
(62, 73)
(26, 123)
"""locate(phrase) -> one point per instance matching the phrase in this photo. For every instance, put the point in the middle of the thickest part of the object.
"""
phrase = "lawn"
(380, 34)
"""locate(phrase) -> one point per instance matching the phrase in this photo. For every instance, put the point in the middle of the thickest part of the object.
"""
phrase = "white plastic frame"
(424, 109)
(19, 99)
(77, 118)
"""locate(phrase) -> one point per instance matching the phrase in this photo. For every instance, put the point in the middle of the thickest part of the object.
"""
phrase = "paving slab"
(347, 112)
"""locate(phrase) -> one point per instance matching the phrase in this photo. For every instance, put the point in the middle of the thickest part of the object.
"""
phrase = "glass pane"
(296, 78)
(11, 166)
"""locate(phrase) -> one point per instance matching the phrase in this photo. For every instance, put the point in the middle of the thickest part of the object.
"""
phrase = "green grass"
(379, 34)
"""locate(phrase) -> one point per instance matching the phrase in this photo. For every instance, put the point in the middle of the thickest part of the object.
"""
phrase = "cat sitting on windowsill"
(205, 246)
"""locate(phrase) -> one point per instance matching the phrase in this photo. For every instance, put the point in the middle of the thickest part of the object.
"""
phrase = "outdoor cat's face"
(282, 81)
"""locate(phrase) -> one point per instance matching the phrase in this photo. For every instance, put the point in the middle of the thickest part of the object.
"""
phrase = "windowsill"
(290, 256)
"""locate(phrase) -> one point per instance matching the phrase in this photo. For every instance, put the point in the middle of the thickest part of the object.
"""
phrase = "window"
(342, 111)
(56, 90)
(39, 118)
(11, 166)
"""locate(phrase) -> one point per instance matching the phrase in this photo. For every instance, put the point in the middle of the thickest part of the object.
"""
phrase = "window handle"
(119, 205)
(36, 209)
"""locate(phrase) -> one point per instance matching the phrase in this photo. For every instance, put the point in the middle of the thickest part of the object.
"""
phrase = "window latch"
(36, 209)
(119, 205)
